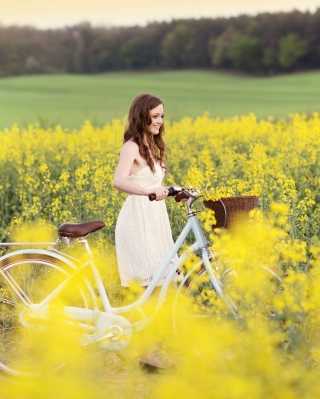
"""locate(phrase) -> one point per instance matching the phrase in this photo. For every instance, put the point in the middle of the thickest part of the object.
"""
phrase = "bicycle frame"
(112, 316)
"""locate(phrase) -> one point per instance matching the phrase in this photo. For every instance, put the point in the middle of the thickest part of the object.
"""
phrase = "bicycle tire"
(197, 300)
(29, 278)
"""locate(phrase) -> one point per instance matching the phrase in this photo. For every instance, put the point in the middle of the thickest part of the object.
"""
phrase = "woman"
(143, 234)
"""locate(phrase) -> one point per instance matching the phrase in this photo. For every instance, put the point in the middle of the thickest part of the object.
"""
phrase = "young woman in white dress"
(143, 235)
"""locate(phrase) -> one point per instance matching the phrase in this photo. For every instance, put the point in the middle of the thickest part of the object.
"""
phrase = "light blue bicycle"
(40, 274)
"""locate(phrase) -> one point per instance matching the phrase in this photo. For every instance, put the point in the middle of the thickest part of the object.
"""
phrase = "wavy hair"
(151, 147)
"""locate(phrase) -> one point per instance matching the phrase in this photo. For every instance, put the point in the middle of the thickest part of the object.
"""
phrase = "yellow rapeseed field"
(58, 175)
(54, 176)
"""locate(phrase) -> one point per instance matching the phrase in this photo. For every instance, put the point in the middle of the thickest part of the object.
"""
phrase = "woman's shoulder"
(131, 146)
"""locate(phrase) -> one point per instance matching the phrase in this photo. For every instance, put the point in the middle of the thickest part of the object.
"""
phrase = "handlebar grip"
(172, 192)
(181, 196)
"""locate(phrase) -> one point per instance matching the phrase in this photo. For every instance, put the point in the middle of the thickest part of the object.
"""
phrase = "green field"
(70, 99)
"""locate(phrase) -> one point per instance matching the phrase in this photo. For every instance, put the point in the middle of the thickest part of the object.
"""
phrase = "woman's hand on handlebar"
(171, 192)
(159, 193)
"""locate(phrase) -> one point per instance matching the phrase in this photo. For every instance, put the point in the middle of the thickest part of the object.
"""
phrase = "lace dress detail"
(143, 234)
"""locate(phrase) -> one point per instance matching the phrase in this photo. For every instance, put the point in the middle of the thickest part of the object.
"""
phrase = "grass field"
(70, 99)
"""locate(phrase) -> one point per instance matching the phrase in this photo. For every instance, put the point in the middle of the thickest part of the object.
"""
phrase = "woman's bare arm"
(128, 155)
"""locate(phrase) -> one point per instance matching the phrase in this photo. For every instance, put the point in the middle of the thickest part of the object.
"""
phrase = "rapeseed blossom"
(269, 265)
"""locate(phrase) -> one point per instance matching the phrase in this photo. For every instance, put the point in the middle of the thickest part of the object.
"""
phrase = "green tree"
(83, 59)
(104, 49)
(32, 65)
(270, 60)
(291, 49)
(177, 47)
(133, 54)
(220, 48)
(246, 53)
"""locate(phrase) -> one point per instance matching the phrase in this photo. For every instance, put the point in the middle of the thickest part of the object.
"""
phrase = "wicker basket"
(229, 211)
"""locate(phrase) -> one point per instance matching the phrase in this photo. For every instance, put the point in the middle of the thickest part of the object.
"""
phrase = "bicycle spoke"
(8, 301)
(15, 287)
(23, 282)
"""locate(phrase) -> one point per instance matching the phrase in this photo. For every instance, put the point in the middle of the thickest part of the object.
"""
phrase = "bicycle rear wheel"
(27, 279)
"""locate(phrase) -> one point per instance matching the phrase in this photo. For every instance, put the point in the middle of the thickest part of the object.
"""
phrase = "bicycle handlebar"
(173, 191)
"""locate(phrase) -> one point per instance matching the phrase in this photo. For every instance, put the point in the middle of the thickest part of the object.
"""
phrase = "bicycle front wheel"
(27, 279)
(197, 300)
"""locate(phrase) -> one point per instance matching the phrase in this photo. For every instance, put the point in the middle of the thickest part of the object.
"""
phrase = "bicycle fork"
(217, 285)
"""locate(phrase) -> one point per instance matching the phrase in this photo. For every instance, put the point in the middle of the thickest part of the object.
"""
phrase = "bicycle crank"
(114, 332)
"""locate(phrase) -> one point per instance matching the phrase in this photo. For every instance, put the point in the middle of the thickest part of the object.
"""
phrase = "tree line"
(264, 44)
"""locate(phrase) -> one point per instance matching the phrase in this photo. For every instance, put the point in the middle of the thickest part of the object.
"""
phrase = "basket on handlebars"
(229, 211)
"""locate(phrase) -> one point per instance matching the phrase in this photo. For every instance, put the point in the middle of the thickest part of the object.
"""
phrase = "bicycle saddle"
(75, 230)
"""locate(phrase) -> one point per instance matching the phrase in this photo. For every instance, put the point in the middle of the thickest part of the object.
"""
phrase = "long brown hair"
(137, 129)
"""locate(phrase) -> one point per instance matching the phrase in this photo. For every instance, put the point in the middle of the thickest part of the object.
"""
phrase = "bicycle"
(32, 279)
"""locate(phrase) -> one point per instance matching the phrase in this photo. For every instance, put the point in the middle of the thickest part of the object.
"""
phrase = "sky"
(58, 13)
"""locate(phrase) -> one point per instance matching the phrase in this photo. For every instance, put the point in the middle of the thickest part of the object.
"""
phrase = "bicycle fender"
(20, 253)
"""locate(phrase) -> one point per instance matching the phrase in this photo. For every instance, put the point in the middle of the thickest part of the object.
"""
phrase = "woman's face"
(156, 116)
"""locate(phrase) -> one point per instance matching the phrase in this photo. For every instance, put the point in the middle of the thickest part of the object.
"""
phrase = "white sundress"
(143, 234)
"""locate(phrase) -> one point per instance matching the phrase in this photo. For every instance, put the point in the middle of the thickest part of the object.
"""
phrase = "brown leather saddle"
(75, 230)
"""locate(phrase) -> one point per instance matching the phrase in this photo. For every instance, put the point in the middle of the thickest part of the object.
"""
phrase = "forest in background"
(264, 44)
